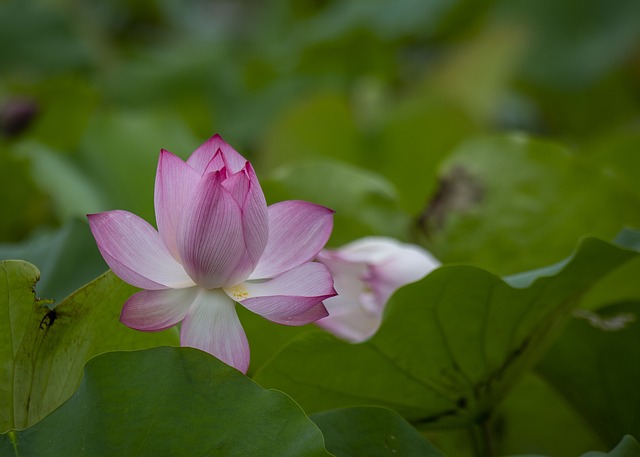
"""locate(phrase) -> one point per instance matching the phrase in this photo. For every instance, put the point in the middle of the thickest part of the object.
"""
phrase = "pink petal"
(297, 232)
(317, 311)
(409, 264)
(201, 157)
(216, 163)
(175, 181)
(371, 249)
(212, 325)
(154, 310)
(347, 276)
(292, 298)
(378, 249)
(245, 188)
(210, 237)
(238, 186)
(377, 267)
(352, 323)
(134, 251)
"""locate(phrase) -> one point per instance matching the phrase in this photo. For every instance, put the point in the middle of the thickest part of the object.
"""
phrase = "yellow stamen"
(238, 292)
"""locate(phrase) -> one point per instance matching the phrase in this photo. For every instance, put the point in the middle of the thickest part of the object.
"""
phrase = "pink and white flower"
(366, 273)
(217, 243)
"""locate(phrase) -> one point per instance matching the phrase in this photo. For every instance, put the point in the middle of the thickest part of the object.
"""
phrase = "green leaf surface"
(266, 338)
(43, 350)
(628, 447)
(449, 348)
(535, 418)
(621, 284)
(596, 366)
(67, 258)
(169, 401)
(365, 202)
(512, 203)
(17, 281)
(371, 431)
(618, 286)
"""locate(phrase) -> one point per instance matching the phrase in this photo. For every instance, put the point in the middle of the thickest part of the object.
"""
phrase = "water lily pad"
(169, 401)
(43, 350)
(450, 346)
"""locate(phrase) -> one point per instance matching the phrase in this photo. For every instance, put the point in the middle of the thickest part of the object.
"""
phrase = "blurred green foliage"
(393, 92)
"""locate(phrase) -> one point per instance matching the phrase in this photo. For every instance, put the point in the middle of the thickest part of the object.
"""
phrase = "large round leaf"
(450, 346)
(596, 366)
(169, 401)
(371, 431)
(43, 350)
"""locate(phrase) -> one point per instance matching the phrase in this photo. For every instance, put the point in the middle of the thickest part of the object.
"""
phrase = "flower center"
(238, 292)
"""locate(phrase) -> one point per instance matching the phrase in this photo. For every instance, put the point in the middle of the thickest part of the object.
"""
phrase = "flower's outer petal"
(347, 276)
(349, 316)
(210, 236)
(370, 249)
(175, 181)
(201, 157)
(292, 298)
(378, 266)
(316, 312)
(352, 323)
(154, 310)
(366, 273)
(297, 232)
(134, 251)
(212, 325)
(409, 263)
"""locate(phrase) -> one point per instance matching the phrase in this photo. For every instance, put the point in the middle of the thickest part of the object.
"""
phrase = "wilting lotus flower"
(366, 273)
(217, 243)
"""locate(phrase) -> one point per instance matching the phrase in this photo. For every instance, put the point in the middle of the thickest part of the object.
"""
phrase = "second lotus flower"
(217, 243)
(366, 273)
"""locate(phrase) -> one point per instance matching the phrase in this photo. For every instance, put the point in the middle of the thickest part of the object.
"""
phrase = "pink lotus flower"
(217, 243)
(366, 273)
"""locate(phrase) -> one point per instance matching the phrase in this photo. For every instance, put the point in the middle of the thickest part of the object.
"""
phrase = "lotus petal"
(297, 232)
(212, 325)
(154, 310)
(201, 157)
(175, 181)
(210, 237)
(134, 251)
(292, 298)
